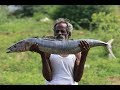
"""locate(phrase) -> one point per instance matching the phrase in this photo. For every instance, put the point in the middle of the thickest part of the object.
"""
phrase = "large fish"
(57, 46)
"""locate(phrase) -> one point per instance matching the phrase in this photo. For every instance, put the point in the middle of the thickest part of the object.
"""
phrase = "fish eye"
(14, 46)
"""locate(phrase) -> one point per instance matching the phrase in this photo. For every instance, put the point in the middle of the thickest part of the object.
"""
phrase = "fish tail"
(109, 47)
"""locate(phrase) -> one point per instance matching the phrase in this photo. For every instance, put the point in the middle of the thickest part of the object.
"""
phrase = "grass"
(26, 68)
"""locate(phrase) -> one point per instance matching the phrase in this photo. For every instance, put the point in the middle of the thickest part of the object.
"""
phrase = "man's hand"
(84, 46)
(34, 48)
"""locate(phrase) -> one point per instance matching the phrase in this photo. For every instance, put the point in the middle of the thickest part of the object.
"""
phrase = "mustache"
(59, 36)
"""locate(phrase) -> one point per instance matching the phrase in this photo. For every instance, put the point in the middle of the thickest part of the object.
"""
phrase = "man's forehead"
(61, 24)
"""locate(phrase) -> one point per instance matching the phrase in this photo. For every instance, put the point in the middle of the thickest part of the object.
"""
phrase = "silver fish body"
(56, 46)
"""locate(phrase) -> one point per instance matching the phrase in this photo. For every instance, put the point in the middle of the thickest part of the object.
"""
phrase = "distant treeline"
(81, 16)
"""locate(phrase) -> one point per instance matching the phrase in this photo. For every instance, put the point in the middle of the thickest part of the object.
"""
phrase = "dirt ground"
(115, 80)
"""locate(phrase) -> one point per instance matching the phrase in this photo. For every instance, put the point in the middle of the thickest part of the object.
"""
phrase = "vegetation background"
(18, 22)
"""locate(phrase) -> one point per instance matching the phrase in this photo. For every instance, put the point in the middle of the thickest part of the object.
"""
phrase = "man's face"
(61, 31)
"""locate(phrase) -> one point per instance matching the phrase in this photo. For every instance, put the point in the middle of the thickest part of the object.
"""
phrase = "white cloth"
(62, 70)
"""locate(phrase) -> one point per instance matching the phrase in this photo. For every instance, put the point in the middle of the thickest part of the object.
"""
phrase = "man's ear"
(54, 33)
(69, 34)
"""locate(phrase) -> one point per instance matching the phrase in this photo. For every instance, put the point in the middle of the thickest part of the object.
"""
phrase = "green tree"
(3, 14)
(24, 11)
(106, 22)
(80, 15)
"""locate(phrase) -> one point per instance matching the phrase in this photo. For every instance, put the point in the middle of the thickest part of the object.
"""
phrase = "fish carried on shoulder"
(55, 46)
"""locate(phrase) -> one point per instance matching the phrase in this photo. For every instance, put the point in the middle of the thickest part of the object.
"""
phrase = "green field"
(26, 69)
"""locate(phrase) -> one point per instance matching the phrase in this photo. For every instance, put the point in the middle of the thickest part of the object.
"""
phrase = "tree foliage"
(24, 11)
(31, 10)
(3, 14)
(106, 22)
(80, 15)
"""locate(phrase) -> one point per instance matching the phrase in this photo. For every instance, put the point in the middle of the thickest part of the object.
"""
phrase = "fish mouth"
(8, 51)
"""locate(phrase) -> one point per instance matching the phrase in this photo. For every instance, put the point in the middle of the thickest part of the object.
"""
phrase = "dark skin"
(60, 32)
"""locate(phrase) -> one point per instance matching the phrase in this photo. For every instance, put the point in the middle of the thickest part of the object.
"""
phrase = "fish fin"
(109, 47)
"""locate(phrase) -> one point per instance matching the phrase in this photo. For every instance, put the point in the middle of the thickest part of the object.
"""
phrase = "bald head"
(61, 25)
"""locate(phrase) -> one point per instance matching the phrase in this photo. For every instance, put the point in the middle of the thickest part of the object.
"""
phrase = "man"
(63, 69)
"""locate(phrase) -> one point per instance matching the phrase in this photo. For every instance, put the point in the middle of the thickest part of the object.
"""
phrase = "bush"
(105, 22)
(80, 15)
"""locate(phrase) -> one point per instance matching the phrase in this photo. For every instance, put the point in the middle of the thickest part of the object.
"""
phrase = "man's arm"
(80, 61)
(46, 65)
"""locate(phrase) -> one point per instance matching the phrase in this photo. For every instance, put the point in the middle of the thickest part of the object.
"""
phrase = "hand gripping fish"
(57, 46)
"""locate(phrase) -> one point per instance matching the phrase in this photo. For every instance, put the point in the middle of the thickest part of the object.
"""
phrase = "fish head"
(19, 47)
